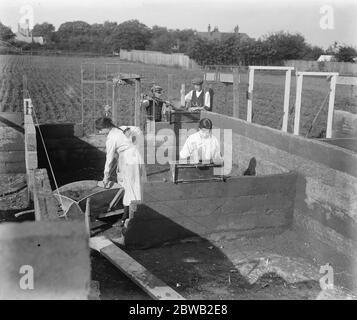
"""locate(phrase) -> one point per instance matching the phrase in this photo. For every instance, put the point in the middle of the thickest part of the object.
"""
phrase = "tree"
(131, 34)
(286, 46)
(162, 39)
(313, 52)
(5, 33)
(346, 54)
(44, 30)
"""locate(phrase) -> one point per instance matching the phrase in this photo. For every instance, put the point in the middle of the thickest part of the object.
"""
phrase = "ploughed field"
(54, 84)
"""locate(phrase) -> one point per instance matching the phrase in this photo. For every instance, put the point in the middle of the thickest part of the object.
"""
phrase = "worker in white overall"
(202, 146)
(121, 146)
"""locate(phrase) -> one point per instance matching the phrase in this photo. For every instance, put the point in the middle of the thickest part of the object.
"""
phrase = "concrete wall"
(12, 148)
(213, 210)
(326, 191)
(58, 253)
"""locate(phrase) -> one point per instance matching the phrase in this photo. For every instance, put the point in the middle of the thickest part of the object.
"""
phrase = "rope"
(317, 114)
(48, 159)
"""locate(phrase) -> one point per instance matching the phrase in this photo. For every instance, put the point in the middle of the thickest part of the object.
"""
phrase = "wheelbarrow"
(104, 202)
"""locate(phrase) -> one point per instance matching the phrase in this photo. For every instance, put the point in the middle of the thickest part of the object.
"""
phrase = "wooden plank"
(316, 74)
(152, 285)
(236, 93)
(270, 68)
(250, 95)
(170, 86)
(286, 101)
(46, 205)
(182, 92)
(298, 104)
(351, 81)
(137, 112)
(331, 105)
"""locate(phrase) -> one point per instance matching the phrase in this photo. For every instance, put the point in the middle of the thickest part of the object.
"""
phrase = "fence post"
(183, 90)
(137, 120)
(298, 104)
(250, 95)
(331, 104)
(170, 85)
(286, 100)
(236, 93)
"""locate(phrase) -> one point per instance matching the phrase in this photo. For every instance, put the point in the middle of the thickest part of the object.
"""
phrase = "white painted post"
(182, 93)
(331, 104)
(298, 103)
(250, 94)
(286, 100)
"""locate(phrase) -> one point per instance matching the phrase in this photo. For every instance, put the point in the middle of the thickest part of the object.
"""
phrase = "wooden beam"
(316, 74)
(298, 103)
(170, 86)
(286, 100)
(46, 205)
(250, 95)
(331, 105)
(270, 68)
(351, 81)
(137, 111)
(152, 285)
(182, 92)
(236, 93)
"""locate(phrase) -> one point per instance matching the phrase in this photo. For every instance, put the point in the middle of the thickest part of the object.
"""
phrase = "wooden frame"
(219, 75)
(286, 92)
(332, 77)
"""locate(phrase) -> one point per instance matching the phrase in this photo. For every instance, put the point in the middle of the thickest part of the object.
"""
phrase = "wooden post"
(331, 104)
(250, 95)
(114, 106)
(170, 86)
(182, 92)
(87, 216)
(236, 93)
(137, 120)
(298, 104)
(286, 100)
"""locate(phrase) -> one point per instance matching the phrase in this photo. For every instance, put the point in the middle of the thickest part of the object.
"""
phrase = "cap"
(156, 88)
(197, 81)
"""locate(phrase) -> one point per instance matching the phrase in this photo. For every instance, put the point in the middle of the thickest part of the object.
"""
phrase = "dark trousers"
(126, 213)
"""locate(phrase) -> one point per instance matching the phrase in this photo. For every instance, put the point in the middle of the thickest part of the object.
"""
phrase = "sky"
(321, 22)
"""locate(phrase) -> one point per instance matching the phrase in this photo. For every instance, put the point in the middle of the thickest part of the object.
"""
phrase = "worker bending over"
(121, 146)
(202, 146)
(198, 99)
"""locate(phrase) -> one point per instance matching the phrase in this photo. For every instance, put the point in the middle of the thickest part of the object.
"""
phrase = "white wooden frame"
(286, 92)
(299, 79)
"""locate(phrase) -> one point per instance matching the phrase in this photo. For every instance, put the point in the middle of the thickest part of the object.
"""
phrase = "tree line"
(109, 37)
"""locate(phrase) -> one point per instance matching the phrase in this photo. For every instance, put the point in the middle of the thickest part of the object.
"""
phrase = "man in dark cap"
(155, 106)
(198, 99)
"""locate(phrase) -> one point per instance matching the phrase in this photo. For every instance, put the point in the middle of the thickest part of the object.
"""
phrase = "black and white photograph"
(178, 156)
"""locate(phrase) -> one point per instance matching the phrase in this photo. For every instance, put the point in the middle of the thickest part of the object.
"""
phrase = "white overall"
(130, 170)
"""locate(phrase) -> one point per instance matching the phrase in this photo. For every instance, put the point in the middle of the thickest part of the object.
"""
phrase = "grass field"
(54, 84)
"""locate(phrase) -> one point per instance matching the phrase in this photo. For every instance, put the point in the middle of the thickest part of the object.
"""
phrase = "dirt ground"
(201, 269)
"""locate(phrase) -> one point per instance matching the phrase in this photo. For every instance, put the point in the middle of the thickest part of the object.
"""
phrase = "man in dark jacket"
(156, 107)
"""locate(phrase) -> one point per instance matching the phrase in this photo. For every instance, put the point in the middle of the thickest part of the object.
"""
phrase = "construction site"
(202, 231)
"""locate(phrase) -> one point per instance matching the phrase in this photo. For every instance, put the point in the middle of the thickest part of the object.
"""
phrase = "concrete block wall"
(56, 254)
(12, 148)
(326, 190)
(213, 210)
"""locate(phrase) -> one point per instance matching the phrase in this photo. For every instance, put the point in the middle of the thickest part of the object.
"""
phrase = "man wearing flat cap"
(198, 99)
(155, 106)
